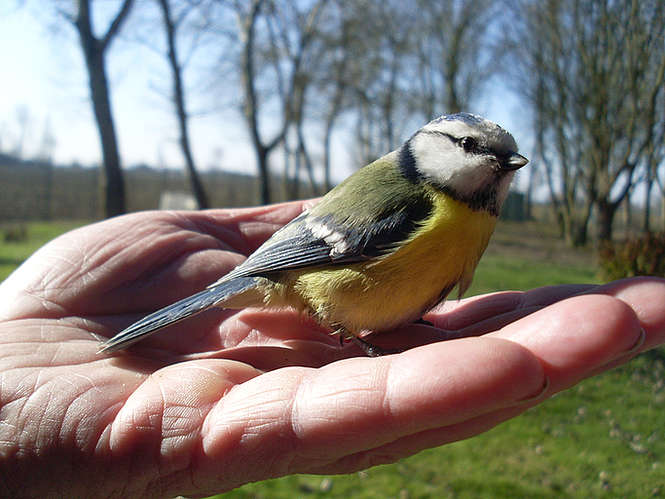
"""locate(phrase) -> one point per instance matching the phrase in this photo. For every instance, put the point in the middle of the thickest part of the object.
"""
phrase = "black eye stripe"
(476, 149)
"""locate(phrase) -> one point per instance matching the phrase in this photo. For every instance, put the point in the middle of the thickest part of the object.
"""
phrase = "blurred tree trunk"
(388, 95)
(648, 185)
(171, 26)
(293, 31)
(247, 22)
(655, 152)
(340, 66)
(605, 219)
(333, 111)
(94, 51)
(628, 214)
(330, 119)
(387, 102)
(306, 158)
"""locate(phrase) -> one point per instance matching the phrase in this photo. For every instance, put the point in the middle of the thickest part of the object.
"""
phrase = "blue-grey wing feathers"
(311, 241)
(176, 312)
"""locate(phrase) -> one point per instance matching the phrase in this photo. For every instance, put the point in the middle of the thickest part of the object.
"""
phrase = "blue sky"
(44, 73)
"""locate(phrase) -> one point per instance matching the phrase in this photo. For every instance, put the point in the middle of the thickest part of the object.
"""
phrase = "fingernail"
(538, 396)
(638, 343)
(625, 356)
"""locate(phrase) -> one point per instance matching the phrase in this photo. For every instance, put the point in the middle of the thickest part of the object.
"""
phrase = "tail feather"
(177, 312)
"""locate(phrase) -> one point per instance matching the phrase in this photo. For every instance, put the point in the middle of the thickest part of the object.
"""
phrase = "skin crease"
(231, 397)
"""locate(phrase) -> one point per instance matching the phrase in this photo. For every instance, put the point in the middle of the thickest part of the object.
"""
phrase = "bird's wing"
(360, 228)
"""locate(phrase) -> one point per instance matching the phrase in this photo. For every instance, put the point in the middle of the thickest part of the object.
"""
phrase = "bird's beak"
(513, 161)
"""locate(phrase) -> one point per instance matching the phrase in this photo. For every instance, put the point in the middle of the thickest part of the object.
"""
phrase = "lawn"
(28, 237)
(602, 438)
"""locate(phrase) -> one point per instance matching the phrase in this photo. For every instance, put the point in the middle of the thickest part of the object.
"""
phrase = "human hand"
(228, 397)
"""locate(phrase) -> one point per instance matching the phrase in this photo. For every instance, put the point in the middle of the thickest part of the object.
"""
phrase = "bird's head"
(466, 156)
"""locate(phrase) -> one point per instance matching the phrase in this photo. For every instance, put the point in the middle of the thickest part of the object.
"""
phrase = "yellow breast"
(398, 288)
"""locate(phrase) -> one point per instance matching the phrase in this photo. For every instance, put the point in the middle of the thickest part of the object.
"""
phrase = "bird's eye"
(468, 143)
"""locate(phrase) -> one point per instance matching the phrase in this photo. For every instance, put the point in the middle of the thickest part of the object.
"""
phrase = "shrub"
(15, 233)
(643, 255)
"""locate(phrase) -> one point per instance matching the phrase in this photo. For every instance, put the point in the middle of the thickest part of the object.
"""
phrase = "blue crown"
(468, 118)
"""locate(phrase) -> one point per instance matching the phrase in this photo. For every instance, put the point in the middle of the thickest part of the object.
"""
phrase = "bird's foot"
(374, 350)
(424, 322)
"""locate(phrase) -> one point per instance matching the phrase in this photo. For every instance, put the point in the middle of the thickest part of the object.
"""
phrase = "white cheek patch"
(446, 164)
(333, 238)
(435, 157)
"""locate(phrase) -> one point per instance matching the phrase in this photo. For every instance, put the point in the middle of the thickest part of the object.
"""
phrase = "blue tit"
(381, 248)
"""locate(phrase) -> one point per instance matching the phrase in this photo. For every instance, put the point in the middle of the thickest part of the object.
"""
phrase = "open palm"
(230, 397)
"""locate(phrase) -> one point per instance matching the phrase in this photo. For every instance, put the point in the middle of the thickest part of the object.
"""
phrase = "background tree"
(172, 23)
(341, 37)
(276, 53)
(590, 73)
(381, 91)
(593, 75)
(293, 52)
(247, 18)
(94, 51)
(453, 60)
(402, 65)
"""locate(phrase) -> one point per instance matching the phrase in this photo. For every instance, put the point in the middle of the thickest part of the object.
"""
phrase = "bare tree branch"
(116, 24)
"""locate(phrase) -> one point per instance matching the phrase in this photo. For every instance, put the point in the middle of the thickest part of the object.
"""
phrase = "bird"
(382, 247)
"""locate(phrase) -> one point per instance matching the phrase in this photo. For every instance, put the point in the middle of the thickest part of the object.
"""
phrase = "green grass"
(603, 438)
(523, 256)
(13, 253)
(499, 272)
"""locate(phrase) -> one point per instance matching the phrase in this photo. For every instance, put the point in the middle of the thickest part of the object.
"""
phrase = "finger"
(158, 430)
(294, 419)
(605, 339)
(475, 316)
(173, 401)
(575, 336)
(646, 297)
(481, 314)
(581, 336)
(412, 444)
